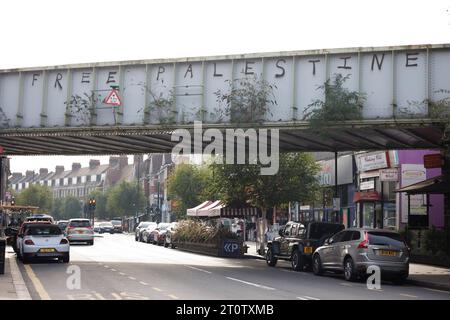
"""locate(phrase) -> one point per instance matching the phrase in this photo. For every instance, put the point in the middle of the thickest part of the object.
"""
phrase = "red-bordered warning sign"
(113, 98)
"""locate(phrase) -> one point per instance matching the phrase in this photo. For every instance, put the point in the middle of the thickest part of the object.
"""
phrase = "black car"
(106, 227)
(297, 242)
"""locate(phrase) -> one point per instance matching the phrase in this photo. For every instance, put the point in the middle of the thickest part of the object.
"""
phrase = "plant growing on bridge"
(437, 109)
(248, 100)
(81, 108)
(161, 107)
(4, 121)
(339, 104)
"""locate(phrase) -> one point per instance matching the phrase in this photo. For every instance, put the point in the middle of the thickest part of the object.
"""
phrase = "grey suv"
(352, 251)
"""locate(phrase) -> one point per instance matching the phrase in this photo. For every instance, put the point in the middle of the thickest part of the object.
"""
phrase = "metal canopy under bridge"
(60, 109)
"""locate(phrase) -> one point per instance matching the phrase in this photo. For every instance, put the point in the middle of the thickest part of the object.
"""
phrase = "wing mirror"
(281, 232)
(328, 241)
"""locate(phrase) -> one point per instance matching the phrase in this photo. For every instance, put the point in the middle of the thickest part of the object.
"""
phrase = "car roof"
(42, 224)
(36, 222)
(79, 219)
(372, 229)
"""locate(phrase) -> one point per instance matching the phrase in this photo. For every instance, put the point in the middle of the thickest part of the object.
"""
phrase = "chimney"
(29, 174)
(17, 175)
(59, 169)
(123, 161)
(93, 164)
(113, 161)
(43, 172)
(76, 166)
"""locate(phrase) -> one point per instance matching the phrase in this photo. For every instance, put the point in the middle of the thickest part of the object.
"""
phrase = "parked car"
(80, 230)
(106, 227)
(18, 237)
(43, 240)
(297, 242)
(146, 233)
(117, 226)
(39, 218)
(169, 235)
(97, 226)
(158, 235)
(62, 224)
(352, 251)
(140, 229)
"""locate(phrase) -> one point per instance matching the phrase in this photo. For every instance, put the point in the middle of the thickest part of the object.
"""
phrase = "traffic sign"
(113, 98)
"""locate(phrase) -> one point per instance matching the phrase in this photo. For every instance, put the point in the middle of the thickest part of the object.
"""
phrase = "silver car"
(352, 251)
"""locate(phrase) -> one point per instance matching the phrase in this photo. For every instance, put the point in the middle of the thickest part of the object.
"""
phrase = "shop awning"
(206, 211)
(436, 185)
(228, 212)
(192, 212)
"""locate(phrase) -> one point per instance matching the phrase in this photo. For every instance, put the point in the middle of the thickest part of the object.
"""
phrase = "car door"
(285, 239)
(330, 254)
(342, 248)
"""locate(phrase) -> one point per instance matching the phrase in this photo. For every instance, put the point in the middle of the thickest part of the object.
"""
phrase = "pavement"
(117, 267)
(12, 285)
(419, 274)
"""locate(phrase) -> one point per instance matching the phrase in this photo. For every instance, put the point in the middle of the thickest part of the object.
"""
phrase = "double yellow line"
(37, 283)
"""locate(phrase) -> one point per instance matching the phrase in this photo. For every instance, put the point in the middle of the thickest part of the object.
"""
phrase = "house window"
(88, 178)
(99, 178)
(78, 180)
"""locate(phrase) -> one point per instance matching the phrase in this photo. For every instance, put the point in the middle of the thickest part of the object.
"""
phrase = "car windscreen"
(164, 226)
(43, 231)
(144, 225)
(385, 239)
(105, 225)
(80, 224)
(116, 223)
(319, 230)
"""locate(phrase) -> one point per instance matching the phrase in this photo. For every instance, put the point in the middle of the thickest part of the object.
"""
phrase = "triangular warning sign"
(113, 98)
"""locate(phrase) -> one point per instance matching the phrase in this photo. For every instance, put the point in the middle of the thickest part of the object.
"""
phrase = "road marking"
(251, 284)
(106, 267)
(345, 284)
(114, 270)
(436, 290)
(143, 283)
(122, 274)
(173, 296)
(311, 298)
(408, 295)
(37, 283)
(301, 298)
(132, 278)
(17, 278)
(156, 289)
(198, 269)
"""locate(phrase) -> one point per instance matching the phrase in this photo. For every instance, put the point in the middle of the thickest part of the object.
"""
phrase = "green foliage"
(187, 184)
(100, 208)
(36, 195)
(435, 240)
(82, 107)
(339, 104)
(123, 200)
(161, 107)
(246, 101)
(72, 208)
(4, 120)
(57, 211)
(243, 184)
(200, 232)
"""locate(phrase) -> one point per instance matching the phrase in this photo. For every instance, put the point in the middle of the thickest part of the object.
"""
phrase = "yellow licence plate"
(44, 250)
(388, 253)
(307, 250)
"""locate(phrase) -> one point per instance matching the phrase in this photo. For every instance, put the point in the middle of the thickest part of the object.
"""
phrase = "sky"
(54, 32)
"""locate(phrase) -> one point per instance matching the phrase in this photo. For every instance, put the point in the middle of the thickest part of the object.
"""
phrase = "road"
(119, 268)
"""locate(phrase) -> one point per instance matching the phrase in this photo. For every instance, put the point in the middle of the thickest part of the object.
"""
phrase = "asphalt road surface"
(117, 267)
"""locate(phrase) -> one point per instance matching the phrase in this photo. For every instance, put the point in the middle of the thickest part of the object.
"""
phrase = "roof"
(436, 185)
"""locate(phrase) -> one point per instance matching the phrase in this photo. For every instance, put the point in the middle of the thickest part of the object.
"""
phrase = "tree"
(123, 200)
(72, 208)
(296, 180)
(57, 210)
(187, 185)
(36, 195)
(100, 207)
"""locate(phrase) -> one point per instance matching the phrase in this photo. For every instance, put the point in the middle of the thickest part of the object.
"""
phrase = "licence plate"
(388, 253)
(307, 250)
(80, 231)
(45, 250)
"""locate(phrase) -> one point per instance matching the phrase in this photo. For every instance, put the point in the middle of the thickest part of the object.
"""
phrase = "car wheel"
(91, 243)
(165, 244)
(66, 258)
(349, 270)
(271, 260)
(136, 238)
(297, 261)
(172, 245)
(317, 265)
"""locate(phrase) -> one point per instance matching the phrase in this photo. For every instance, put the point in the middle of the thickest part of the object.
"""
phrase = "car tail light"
(365, 242)
(64, 241)
(29, 242)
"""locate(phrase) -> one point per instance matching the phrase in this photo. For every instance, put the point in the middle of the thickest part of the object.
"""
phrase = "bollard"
(2, 255)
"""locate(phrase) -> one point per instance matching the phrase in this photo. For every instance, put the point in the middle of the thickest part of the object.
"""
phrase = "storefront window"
(368, 214)
(389, 214)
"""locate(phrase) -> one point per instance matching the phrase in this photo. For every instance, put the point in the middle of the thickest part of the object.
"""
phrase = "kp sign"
(231, 248)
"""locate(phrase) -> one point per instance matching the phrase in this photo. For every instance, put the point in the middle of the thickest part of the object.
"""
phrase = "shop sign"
(389, 174)
(367, 185)
(410, 174)
(373, 161)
